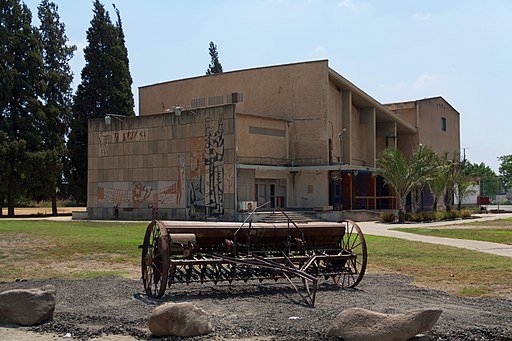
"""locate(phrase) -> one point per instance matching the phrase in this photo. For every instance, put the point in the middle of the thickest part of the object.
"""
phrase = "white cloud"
(424, 85)
(357, 7)
(425, 80)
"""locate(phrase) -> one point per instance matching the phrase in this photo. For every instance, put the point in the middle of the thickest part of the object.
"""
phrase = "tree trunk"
(1, 204)
(54, 203)
(401, 209)
(448, 199)
(10, 201)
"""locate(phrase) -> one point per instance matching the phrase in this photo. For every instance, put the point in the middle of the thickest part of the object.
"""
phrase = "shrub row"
(426, 216)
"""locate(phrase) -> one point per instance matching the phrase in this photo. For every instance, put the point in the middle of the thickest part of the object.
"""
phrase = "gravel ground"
(268, 311)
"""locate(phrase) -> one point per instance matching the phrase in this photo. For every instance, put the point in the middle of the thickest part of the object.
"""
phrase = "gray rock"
(27, 306)
(356, 324)
(179, 319)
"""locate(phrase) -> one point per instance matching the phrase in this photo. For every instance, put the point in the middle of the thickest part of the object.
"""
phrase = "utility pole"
(464, 154)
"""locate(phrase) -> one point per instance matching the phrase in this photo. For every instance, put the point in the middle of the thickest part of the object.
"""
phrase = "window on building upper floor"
(443, 123)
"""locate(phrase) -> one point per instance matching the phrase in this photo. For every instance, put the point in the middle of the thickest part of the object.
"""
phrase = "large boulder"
(27, 306)
(179, 319)
(356, 324)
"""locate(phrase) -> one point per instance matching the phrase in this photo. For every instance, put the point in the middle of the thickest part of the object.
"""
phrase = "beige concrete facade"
(437, 124)
(163, 166)
(294, 136)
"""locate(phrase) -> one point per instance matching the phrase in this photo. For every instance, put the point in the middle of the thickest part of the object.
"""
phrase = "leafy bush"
(465, 213)
(428, 216)
(387, 217)
(455, 214)
(439, 215)
(415, 217)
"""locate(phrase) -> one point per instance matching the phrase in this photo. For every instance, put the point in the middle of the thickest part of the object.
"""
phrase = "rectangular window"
(443, 123)
(235, 97)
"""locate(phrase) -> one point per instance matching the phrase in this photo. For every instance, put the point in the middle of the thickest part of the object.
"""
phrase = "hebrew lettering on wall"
(214, 163)
(120, 136)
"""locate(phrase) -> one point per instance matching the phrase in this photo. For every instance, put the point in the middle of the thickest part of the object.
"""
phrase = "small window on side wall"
(443, 123)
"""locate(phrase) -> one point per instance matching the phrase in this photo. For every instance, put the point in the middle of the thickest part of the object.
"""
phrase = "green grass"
(77, 250)
(497, 222)
(492, 233)
(38, 243)
(452, 269)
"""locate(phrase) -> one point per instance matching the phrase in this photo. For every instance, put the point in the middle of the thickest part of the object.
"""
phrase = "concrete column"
(346, 122)
(368, 119)
(386, 136)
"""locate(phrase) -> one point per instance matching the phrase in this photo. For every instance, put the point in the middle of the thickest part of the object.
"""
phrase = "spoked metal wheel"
(155, 261)
(354, 245)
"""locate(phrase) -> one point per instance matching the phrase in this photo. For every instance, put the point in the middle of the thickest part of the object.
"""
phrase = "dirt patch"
(269, 311)
(42, 211)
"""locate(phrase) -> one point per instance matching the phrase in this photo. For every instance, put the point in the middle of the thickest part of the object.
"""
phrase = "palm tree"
(404, 176)
(438, 183)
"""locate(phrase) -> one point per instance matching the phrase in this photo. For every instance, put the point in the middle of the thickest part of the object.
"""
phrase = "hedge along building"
(296, 136)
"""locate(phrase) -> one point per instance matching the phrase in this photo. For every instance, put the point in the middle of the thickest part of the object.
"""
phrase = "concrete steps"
(295, 216)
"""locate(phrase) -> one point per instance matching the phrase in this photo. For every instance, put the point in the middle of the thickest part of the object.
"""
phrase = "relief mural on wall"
(205, 188)
(195, 185)
(199, 188)
(139, 194)
(214, 163)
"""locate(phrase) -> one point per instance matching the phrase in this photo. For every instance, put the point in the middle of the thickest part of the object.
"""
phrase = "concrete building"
(296, 136)
(436, 122)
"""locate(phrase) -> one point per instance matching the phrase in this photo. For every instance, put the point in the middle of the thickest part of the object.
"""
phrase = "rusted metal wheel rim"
(353, 243)
(155, 261)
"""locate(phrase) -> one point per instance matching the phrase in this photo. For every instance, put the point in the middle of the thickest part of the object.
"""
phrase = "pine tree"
(20, 87)
(56, 97)
(215, 66)
(105, 89)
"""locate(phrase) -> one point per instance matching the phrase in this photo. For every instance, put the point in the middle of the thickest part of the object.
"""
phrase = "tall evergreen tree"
(215, 66)
(122, 79)
(20, 87)
(56, 97)
(105, 89)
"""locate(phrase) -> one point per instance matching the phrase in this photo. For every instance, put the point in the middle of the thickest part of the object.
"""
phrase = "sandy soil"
(269, 311)
(38, 211)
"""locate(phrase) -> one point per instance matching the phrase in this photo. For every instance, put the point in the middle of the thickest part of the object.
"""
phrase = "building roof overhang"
(338, 167)
(362, 100)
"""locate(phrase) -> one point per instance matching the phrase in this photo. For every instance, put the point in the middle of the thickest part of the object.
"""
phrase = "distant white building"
(472, 194)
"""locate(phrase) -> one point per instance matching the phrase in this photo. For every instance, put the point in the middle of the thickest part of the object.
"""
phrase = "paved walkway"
(380, 229)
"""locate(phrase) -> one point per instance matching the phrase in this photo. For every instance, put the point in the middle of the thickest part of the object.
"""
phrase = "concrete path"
(380, 229)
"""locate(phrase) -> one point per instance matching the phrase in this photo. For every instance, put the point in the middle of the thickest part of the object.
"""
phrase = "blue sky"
(394, 50)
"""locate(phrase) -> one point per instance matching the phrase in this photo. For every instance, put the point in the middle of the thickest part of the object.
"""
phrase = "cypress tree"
(105, 89)
(57, 99)
(20, 87)
(122, 96)
(215, 66)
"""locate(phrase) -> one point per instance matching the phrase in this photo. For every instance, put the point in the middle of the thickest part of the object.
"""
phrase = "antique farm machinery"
(186, 252)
